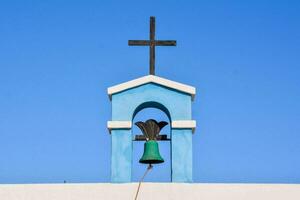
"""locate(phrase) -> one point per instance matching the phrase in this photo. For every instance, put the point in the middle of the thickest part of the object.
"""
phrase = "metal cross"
(152, 43)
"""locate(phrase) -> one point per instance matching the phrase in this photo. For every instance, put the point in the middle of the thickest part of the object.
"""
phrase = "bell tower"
(151, 91)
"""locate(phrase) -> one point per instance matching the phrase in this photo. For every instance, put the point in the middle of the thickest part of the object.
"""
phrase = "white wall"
(150, 191)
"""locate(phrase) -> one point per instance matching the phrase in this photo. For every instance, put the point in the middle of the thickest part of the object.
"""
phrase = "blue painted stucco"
(121, 155)
(176, 104)
(182, 148)
(125, 103)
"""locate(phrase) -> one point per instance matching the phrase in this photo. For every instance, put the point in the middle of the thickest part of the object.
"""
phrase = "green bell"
(151, 153)
(151, 129)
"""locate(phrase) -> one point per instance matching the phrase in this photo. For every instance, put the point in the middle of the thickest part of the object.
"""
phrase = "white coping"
(184, 124)
(152, 79)
(118, 125)
(150, 191)
(128, 124)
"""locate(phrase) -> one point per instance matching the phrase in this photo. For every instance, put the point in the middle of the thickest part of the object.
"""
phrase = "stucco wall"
(177, 103)
(150, 191)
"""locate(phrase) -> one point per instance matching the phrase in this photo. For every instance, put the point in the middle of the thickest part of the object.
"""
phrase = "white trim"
(118, 125)
(184, 124)
(174, 191)
(152, 79)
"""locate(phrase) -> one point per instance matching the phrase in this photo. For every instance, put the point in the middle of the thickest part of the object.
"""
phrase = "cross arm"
(165, 42)
(138, 42)
(156, 42)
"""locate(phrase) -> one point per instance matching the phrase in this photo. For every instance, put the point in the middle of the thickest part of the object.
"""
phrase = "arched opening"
(152, 104)
(160, 172)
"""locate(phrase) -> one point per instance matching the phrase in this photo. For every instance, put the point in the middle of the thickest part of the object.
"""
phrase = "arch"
(151, 104)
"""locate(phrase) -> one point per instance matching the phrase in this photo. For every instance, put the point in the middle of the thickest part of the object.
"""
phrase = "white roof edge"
(152, 79)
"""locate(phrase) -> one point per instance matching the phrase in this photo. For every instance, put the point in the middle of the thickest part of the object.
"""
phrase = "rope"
(142, 179)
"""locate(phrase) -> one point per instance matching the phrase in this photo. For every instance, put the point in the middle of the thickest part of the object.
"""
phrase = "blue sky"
(57, 59)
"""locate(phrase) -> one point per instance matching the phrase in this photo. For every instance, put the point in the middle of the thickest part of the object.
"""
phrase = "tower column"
(121, 151)
(182, 155)
(121, 159)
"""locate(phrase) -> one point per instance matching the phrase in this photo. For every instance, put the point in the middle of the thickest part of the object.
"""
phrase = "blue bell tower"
(173, 98)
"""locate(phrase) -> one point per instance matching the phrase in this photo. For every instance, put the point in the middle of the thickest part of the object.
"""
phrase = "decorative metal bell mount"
(150, 130)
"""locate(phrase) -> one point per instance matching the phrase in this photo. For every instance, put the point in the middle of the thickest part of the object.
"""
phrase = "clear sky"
(57, 59)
